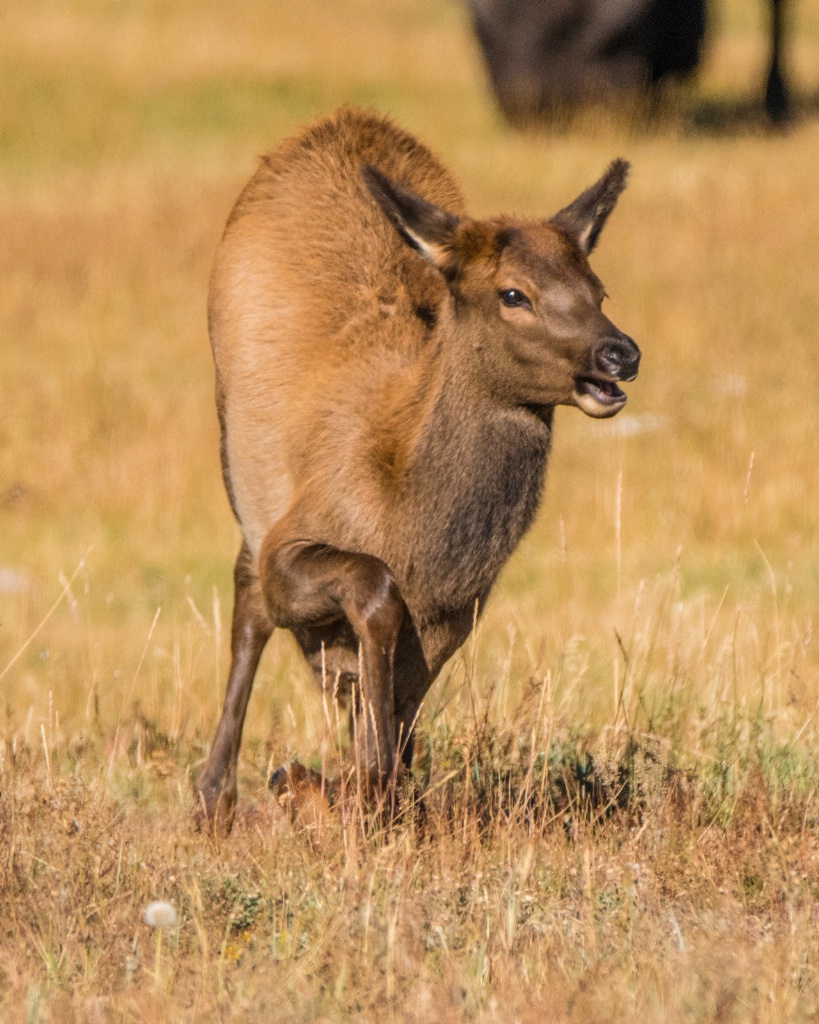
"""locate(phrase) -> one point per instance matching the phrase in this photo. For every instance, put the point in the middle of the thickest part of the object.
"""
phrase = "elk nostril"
(618, 357)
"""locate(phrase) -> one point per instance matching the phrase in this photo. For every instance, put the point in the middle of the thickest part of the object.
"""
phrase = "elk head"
(523, 297)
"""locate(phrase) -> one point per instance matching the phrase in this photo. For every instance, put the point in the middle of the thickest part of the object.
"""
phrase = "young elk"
(387, 369)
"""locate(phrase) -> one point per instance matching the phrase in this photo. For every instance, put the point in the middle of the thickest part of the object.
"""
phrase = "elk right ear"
(425, 227)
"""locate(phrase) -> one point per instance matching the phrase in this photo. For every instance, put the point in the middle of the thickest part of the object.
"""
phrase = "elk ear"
(425, 227)
(583, 219)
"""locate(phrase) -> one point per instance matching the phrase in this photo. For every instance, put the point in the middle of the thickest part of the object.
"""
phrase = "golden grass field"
(621, 772)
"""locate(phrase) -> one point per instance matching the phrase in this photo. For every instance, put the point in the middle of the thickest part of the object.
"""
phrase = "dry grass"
(621, 817)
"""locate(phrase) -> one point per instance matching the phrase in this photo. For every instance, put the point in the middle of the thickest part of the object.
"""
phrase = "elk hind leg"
(250, 632)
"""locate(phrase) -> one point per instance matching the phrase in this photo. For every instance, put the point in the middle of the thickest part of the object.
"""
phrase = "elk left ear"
(583, 219)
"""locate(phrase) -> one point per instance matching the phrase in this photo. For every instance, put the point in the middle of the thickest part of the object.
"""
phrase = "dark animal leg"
(406, 717)
(250, 632)
(777, 100)
(308, 584)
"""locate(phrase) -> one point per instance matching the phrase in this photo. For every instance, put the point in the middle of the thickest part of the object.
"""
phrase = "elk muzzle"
(614, 358)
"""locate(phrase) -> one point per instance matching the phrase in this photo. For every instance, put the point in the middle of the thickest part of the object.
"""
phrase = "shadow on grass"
(671, 110)
(724, 118)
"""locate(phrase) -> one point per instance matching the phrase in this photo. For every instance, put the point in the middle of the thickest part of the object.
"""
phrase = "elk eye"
(513, 297)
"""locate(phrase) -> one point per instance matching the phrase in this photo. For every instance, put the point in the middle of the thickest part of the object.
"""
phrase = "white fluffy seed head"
(160, 914)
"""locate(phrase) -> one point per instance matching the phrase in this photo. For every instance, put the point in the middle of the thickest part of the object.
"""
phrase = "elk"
(387, 369)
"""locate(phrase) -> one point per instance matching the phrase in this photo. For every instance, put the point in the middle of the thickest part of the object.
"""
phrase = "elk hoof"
(302, 794)
(215, 808)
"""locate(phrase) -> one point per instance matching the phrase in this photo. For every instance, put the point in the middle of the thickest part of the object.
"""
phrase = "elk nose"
(618, 357)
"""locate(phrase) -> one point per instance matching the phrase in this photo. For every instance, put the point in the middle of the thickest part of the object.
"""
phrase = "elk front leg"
(308, 584)
(250, 632)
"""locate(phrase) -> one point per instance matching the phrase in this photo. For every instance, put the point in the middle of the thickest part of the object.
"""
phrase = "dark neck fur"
(471, 492)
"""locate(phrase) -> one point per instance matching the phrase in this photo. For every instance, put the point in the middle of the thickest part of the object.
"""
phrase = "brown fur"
(386, 417)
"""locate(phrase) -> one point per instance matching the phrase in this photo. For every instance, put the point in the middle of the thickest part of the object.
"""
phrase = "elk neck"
(472, 481)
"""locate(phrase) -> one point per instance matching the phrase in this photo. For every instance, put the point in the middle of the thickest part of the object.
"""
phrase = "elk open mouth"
(598, 397)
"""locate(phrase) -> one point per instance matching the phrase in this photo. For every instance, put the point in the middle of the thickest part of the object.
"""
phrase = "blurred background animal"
(544, 55)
